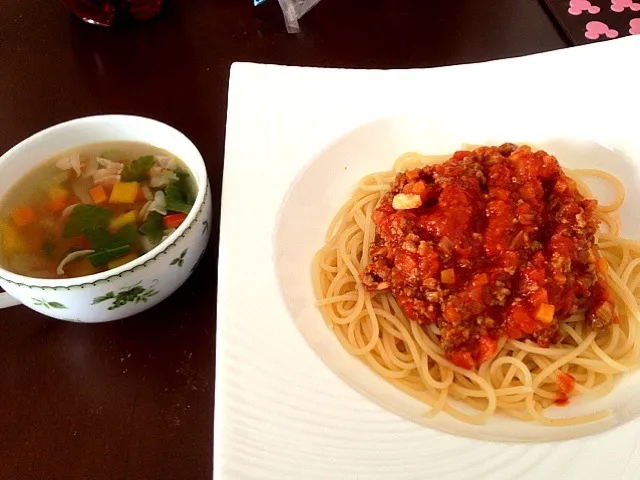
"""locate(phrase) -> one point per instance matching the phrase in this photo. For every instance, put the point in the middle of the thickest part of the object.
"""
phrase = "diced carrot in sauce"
(98, 194)
(539, 296)
(567, 383)
(448, 276)
(413, 174)
(521, 320)
(480, 279)
(124, 192)
(601, 265)
(462, 359)
(174, 220)
(23, 216)
(545, 313)
(486, 349)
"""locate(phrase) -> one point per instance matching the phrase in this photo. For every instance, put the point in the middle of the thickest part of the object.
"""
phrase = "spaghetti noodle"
(520, 378)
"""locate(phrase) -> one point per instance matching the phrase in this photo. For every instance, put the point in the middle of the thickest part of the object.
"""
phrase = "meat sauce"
(496, 242)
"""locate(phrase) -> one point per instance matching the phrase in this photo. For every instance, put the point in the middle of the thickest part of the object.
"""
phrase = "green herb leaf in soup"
(186, 187)
(127, 234)
(109, 246)
(175, 201)
(153, 227)
(86, 217)
(101, 237)
(105, 255)
(137, 168)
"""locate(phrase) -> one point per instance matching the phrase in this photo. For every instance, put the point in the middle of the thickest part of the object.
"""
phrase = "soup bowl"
(134, 286)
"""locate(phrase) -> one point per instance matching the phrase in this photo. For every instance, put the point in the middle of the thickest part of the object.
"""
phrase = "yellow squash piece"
(123, 220)
(124, 192)
(58, 199)
(121, 260)
(15, 241)
(58, 193)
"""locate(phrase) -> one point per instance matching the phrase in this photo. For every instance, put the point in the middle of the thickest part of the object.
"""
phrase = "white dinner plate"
(289, 401)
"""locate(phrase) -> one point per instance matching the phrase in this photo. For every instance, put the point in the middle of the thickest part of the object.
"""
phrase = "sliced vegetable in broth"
(84, 217)
(175, 200)
(153, 227)
(137, 168)
(94, 208)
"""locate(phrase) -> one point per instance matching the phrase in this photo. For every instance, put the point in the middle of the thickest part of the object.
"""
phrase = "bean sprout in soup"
(92, 209)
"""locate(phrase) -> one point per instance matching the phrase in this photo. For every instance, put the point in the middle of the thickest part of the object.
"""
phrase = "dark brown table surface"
(134, 398)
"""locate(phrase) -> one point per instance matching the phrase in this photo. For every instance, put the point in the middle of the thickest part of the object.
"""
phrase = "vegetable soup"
(92, 209)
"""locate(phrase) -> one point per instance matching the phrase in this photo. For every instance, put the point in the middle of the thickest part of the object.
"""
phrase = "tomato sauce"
(493, 243)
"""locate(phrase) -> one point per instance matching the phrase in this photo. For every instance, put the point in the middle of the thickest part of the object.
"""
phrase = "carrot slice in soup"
(98, 194)
(174, 220)
(23, 216)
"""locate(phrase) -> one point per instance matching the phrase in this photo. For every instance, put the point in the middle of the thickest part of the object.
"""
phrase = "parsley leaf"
(109, 246)
(105, 255)
(153, 227)
(128, 234)
(137, 168)
(175, 201)
(86, 217)
(186, 187)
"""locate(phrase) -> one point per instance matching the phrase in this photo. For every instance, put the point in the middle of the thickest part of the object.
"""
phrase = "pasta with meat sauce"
(482, 283)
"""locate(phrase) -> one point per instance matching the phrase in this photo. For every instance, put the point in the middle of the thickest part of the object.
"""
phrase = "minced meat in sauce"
(494, 242)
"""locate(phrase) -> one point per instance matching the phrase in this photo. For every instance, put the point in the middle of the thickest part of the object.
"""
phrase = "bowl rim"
(142, 261)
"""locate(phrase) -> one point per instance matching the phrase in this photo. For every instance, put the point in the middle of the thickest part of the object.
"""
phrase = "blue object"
(258, 2)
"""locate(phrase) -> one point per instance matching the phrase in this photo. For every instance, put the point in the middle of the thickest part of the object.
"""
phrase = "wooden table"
(134, 398)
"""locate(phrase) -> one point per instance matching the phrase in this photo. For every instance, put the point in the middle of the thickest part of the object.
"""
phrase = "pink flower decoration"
(595, 29)
(576, 7)
(621, 5)
(635, 26)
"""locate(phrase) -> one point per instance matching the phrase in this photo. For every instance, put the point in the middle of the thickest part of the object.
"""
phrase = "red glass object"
(105, 12)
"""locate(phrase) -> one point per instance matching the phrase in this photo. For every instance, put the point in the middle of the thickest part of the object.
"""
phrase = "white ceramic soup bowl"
(137, 285)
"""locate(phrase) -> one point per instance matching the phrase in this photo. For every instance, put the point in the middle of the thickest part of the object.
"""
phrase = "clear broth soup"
(93, 208)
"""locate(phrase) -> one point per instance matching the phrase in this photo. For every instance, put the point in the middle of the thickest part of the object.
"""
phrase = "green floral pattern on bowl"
(135, 293)
(179, 261)
(41, 302)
